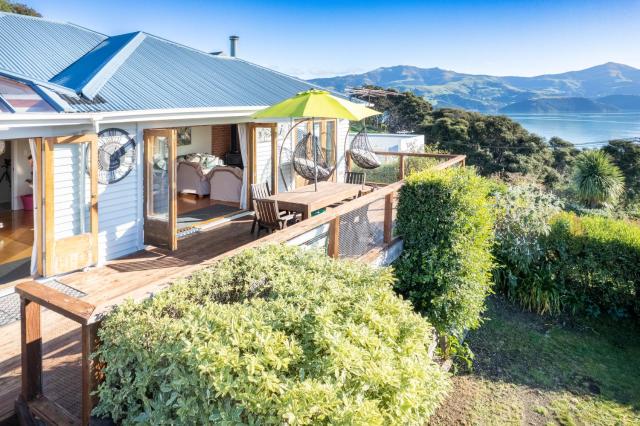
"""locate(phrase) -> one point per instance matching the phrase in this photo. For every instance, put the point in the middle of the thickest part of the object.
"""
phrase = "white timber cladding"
(119, 208)
(263, 154)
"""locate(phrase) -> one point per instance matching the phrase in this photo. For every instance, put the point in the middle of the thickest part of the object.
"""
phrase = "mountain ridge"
(486, 93)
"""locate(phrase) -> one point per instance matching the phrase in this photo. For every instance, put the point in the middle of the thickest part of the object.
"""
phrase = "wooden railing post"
(90, 373)
(388, 217)
(334, 237)
(401, 167)
(31, 340)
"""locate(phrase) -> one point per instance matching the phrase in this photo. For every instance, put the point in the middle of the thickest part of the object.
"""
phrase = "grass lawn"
(535, 370)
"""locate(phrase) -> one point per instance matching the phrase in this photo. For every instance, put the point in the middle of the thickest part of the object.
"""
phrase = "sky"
(309, 38)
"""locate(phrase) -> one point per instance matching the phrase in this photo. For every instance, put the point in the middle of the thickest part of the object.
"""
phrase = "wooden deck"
(129, 277)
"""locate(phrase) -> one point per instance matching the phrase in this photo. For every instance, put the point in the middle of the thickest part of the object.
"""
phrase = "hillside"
(491, 93)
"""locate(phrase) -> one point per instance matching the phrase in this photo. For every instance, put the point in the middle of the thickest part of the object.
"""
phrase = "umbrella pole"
(315, 154)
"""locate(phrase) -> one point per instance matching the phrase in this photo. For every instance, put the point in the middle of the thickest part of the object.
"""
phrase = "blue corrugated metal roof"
(136, 71)
(81, 72)
(40, 48)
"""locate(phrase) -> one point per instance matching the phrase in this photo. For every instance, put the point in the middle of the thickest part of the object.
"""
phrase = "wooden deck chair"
(268, 216)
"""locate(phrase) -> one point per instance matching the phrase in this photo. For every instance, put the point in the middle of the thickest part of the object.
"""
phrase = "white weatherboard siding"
(71, 191)
(263, 155)
(119, 215)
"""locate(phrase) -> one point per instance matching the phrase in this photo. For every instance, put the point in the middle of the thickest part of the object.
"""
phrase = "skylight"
(21, 98)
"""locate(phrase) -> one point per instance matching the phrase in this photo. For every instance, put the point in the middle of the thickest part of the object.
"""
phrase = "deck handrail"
(34, 295)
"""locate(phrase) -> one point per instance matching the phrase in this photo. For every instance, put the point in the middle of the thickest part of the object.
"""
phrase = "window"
(21, 98)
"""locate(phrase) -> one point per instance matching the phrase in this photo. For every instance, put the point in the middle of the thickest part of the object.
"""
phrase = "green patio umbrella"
(313, 104)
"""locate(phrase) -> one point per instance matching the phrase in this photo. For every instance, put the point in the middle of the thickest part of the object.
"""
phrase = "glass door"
(70, 203)
(160, 209)
(264, 155)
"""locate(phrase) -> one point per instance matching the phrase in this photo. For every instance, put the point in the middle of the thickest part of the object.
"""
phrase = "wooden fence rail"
(33, 296)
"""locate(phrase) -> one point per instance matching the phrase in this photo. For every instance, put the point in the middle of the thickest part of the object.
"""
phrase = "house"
(119, 142)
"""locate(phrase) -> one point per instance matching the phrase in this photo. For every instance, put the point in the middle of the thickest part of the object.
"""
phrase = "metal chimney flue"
(233, 45)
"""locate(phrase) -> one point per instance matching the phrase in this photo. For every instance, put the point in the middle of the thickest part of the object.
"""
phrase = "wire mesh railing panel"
(316, 238)
(388, 172)
(361, 230)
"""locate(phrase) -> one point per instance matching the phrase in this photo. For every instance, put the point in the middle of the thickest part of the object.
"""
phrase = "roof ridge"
(89, 73)
(175, 43)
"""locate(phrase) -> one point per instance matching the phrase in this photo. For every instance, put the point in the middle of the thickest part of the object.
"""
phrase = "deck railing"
(361, 228)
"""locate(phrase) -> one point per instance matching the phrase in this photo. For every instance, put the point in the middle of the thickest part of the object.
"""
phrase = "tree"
(494, 144)
(402, 111)
(626, 155)
(597, 181)
(19, 8)
(564, 154)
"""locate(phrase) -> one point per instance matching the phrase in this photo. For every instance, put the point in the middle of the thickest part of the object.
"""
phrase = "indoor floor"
(194, 211)
(16, 242)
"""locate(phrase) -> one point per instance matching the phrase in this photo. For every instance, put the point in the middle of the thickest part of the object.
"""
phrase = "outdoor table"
(306, 200)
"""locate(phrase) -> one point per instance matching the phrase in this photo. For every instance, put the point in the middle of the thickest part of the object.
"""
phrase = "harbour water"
(589, 130)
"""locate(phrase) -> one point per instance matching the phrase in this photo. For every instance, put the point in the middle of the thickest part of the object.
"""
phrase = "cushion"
(364, 156)
(323, 173)
(193, 157)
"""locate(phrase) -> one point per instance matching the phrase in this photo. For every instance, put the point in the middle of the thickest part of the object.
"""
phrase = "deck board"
(128, 277)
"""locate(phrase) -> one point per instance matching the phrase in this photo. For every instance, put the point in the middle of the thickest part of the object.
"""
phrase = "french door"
(263, 156)
(160, 197)
(69, 203)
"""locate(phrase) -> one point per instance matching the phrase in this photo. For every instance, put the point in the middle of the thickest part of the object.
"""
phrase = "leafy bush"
(276, 335)
(523, 215)
(595, 262)
(597, 181)
(445, 219)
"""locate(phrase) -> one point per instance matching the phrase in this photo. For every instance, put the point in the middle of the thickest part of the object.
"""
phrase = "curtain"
(242, 139)
(36, 196)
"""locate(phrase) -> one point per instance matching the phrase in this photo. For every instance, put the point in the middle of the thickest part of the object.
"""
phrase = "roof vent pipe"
(233, 41)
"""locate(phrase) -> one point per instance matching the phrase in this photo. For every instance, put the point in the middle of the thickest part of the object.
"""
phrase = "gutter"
(96, 118)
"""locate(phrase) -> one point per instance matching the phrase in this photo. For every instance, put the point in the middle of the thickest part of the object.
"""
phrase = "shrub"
(597, 181)
(523, 215)
(445, 220)
(276, 335)
(595, 261)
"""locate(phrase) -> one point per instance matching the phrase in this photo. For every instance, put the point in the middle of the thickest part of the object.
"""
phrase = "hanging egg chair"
(361, 151)
(303, 160)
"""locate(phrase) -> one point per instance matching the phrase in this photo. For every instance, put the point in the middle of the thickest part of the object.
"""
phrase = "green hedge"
(276, 335)
(595, 263)
(446, 221)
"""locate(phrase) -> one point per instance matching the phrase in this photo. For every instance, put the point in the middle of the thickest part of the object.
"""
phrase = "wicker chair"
(268, 216)
(361, 151)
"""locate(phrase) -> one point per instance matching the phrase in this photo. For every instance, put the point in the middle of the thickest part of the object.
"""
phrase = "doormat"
(206, 213)
(10, 304)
